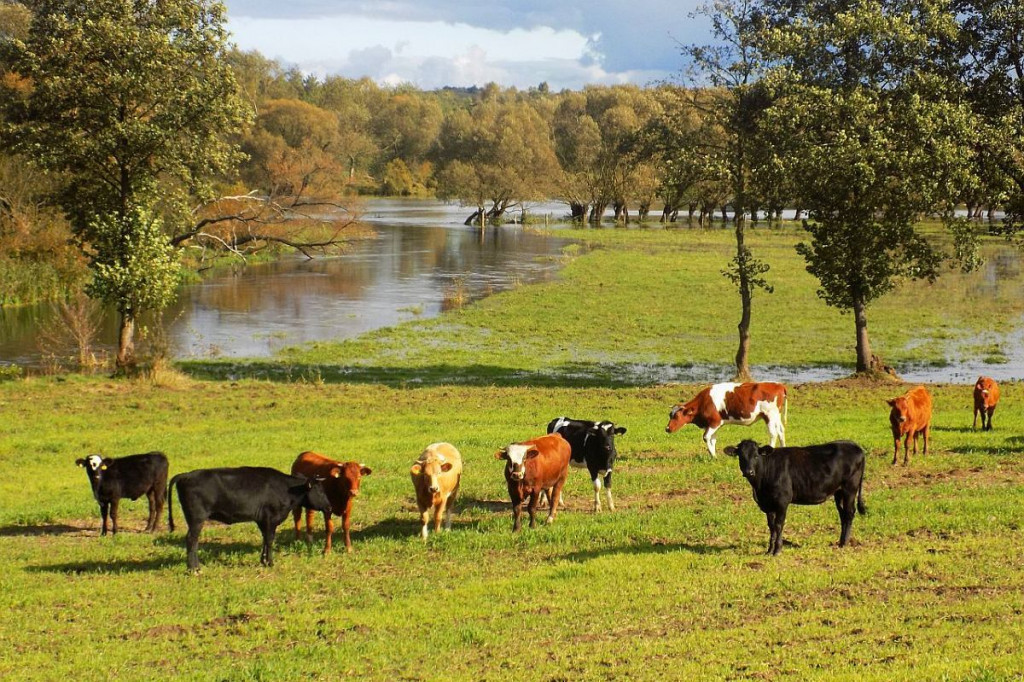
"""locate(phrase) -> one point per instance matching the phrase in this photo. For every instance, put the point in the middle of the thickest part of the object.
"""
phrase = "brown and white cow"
(911, 415)
(341, 483)
(436, 476)
(539, 464)
(986, 396)
(732, 403)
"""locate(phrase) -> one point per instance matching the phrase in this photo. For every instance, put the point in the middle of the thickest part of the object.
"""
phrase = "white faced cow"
(731, 403)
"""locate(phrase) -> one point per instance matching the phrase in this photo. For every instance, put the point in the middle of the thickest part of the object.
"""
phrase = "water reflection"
(420, 249)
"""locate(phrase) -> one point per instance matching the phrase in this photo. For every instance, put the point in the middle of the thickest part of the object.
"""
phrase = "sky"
(434, 43)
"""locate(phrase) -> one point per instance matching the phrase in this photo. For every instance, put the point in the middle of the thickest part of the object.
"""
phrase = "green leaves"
(134, 266)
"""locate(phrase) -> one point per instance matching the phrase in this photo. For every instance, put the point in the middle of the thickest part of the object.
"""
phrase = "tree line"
(135, 133)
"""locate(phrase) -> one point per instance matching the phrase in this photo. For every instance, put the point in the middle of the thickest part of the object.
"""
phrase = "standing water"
(420, 253)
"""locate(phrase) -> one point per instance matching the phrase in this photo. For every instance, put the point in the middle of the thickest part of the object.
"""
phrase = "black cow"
(593, 447)
(258, 494)
(783, 476)
(132, 477)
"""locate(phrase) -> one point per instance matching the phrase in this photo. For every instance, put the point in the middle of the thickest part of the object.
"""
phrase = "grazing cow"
(341, 483)
(258, 494)
(731, 403)
(911, 415)
(986, 396)
(593, 447)
(132, 477)
(532, 466)
(436, 476)
(783, 476)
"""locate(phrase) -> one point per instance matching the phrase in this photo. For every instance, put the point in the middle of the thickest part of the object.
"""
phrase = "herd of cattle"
(536, 468)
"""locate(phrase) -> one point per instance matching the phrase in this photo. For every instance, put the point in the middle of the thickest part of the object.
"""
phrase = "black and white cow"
(258, 494)
(133, 476)
(593, 447)
(779, 477)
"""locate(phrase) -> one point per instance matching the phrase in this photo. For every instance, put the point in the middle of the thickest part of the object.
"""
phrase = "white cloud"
(431, 43)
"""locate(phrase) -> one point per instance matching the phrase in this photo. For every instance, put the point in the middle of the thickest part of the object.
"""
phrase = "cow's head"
(681, 415)
(428, 469)
(515, 456)
(315, 496)
(750, 456)
(900, 409)
(94, 466)
(984, 385)
(348, 475)
(600, 438)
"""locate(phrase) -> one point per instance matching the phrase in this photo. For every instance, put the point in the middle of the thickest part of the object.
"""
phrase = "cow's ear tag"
(103, 467)
(416, 469)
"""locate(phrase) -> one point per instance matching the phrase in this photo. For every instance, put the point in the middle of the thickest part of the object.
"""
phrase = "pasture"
(672, 585)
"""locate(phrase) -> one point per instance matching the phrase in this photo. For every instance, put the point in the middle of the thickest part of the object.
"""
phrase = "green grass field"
(672, 585)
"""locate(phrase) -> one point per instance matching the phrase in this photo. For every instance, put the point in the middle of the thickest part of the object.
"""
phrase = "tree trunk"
(860, 317)
(126, 343)
(578, 211)
(746, 296)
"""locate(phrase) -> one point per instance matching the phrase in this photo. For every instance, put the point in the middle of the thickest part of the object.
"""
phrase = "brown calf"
(540, 464)
(986, 396)
(911, 414)
(436, 476)
(341, 483)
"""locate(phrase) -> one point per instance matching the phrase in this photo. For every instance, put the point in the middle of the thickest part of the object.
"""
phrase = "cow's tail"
(785, 409)
(861, 507)
(170, 502)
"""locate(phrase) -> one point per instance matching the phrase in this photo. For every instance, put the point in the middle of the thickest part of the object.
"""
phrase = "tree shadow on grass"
(570, 375)
(111, 566)
(33, 530)
(648, 548)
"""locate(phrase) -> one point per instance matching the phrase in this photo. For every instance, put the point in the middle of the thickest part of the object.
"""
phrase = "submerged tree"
(130, 101)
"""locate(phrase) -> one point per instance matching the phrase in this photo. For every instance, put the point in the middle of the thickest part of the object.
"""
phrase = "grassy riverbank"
(643, 306)
(671, 585)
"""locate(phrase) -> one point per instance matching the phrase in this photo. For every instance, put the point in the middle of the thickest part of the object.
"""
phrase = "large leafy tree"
(878, 136)
(130, 101)
(992, 42)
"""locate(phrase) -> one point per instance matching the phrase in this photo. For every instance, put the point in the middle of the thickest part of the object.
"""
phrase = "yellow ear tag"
(103, 468)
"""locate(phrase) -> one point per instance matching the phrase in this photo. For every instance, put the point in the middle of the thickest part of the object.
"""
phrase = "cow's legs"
(346, 524)
(927, 437)
(895, 450)
(990, 411)
(329, 530)
(597, 494)
(556, 496)
(770, 517)
(517, 512)
(448, 507)
(192, 545)
(780, 522)
(113, 514)
(104, 512)
(159, 500)
(438, 512)
(906, 449)
(310, 515)
(709, 439)
(975, 424)
(846, 506)
(608, 490)
(531, 507)
(425, 522)
(296, 515)
(269, 531)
